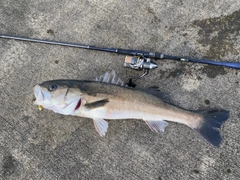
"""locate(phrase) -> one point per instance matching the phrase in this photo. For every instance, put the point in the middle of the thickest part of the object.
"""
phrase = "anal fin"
(101, 126)
(158, 126)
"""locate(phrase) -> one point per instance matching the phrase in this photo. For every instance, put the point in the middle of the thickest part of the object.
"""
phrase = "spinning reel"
(139, 63)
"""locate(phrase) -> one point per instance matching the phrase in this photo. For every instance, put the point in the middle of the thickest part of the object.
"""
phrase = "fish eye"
(52, 87)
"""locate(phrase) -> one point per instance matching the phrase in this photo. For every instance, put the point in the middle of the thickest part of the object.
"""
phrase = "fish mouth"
(78, 104)
(38, 95)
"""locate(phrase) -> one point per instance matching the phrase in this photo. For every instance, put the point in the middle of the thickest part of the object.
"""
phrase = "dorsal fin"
(111, 78)
(154, 90)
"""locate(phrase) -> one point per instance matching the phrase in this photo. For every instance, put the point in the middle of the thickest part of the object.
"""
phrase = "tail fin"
(212, 121)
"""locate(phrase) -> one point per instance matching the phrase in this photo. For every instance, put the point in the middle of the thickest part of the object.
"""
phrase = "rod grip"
(126, 52)
(133, 52)
(159, 55)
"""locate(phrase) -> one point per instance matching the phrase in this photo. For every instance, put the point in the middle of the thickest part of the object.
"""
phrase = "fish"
(108, 98)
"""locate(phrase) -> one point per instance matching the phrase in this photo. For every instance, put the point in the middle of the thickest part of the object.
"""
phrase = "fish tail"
(211, 124)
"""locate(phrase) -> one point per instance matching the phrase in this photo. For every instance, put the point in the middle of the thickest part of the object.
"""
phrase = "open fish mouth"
(38, 93)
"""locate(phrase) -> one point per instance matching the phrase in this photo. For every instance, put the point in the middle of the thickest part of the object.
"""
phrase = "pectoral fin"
(157, 126)
(101, 126)
(96, 104)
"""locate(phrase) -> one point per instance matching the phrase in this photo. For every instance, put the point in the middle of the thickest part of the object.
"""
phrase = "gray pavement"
(44, 145)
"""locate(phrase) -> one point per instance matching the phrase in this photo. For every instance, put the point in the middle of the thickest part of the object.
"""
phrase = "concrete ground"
(44, 145)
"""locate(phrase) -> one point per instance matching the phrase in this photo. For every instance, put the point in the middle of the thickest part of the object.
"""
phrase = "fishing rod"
(135, 59)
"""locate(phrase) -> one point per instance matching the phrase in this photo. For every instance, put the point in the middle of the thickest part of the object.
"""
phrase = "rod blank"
(155, 55)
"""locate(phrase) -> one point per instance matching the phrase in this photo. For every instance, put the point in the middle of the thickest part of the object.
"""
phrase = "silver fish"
(107, 98)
